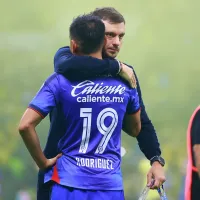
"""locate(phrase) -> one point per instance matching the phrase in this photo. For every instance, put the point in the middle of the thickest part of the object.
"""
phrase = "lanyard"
(144, 193)
(162, 193)
(160, 190)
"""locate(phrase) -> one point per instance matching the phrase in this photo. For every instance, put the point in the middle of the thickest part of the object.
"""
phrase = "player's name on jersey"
(95, 163)
(89, 87)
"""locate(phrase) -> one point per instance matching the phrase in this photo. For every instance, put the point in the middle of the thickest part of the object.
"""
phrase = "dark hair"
(89, 32)
(110, 14)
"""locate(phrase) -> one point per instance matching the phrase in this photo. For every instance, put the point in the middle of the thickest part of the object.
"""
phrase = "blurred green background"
(162, 42)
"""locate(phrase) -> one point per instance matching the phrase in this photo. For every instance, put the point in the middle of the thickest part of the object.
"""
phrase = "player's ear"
(73, 46)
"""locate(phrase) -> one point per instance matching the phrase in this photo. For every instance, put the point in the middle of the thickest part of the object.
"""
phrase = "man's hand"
(127, 74)
(157, 175)
(50, 162)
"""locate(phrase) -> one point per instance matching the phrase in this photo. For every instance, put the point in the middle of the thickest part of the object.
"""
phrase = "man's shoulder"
(53, 81)
(52, 78)
(55, 77)
(62, 50)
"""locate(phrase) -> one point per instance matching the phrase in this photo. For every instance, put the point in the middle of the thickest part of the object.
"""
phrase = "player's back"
(93, 111)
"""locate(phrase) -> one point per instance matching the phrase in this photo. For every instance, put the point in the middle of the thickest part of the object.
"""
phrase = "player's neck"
(96, 55)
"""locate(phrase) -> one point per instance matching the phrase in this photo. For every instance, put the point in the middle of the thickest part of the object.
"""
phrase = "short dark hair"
(89, 32)
(110, 14)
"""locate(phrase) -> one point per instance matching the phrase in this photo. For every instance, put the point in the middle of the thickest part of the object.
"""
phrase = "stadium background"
(162, 41)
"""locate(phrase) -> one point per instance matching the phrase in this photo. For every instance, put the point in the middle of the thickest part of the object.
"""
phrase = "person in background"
(192, 184)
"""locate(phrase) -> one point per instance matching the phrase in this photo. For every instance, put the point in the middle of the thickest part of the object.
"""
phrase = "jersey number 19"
(86, 114)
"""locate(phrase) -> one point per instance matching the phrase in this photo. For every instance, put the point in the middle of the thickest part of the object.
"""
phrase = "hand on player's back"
(127, 74)
(50, 162)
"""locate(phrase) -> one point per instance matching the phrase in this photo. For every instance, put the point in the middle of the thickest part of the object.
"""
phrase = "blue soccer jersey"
(89, 116)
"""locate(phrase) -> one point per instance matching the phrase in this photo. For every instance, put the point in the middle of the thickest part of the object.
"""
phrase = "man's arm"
(149, 145)
(83, 67)
(195, 134)
(44, 101)
(147, 139)
(27, 125)
(196, 150)
(72, 65)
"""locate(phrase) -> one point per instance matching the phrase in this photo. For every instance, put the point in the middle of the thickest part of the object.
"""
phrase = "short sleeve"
(133, 104)
(46, 98)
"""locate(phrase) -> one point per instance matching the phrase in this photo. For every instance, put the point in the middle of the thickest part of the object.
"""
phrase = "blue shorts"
(68, 193)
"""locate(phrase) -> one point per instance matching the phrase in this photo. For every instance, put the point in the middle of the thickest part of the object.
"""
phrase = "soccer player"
(67, 64)
(192, 184)
(90, 115)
